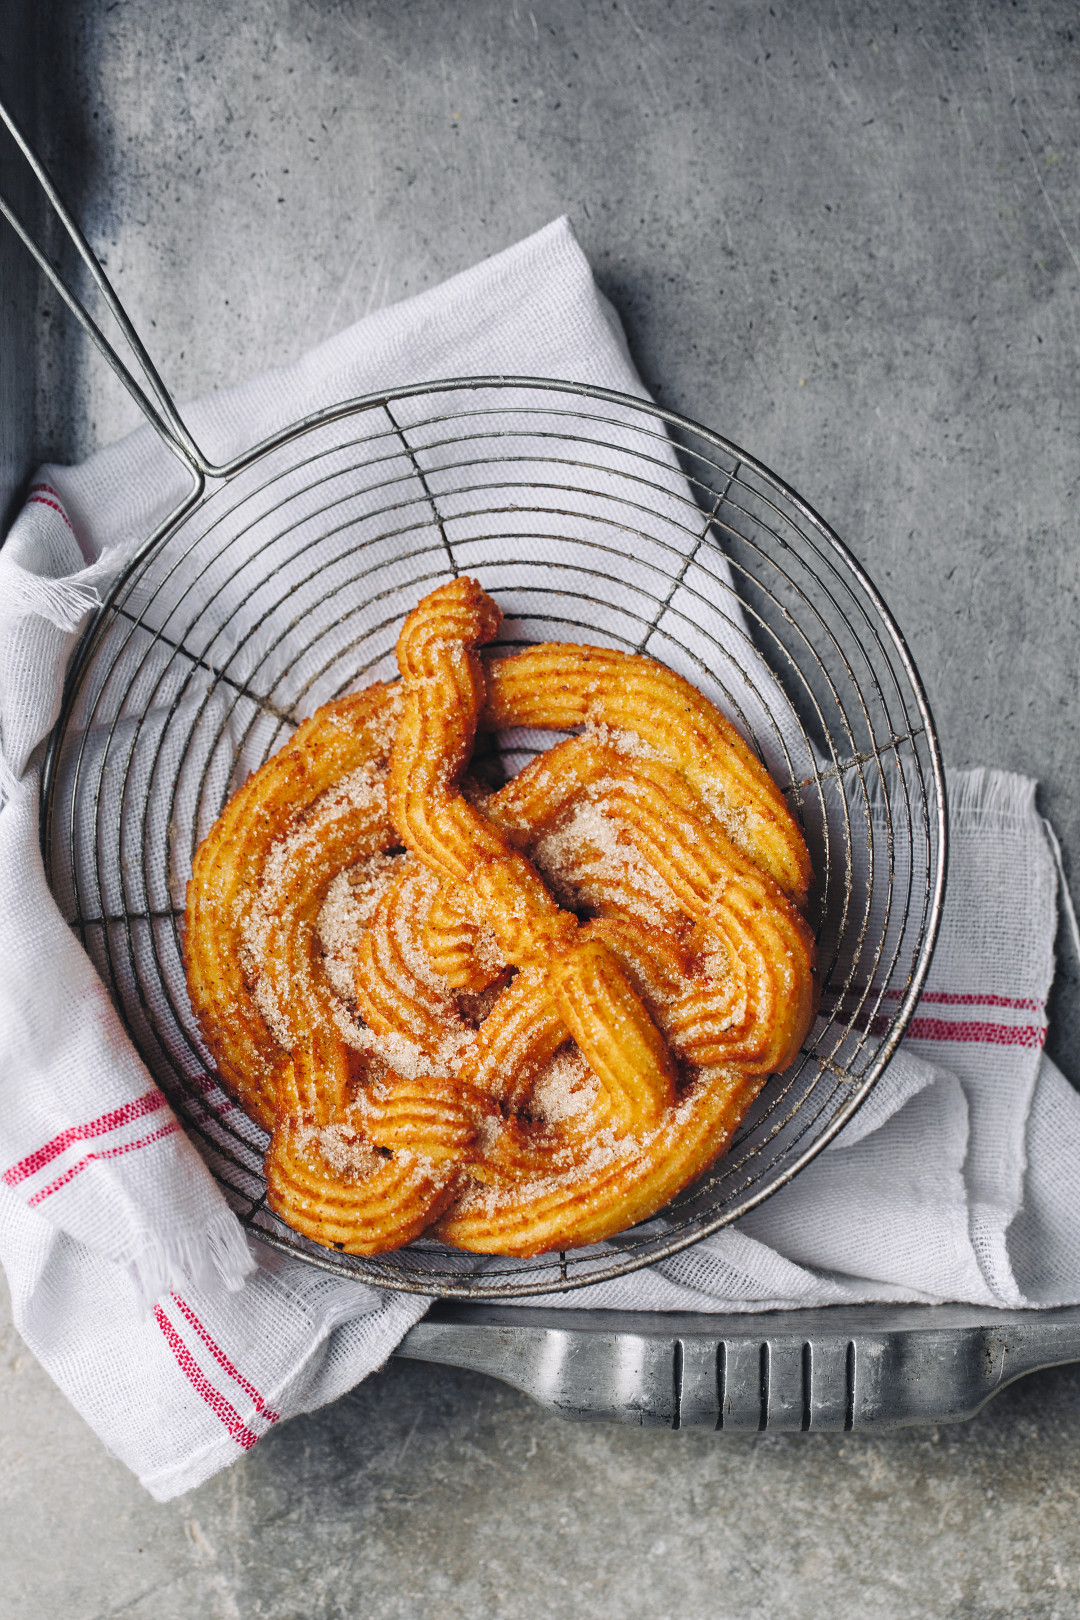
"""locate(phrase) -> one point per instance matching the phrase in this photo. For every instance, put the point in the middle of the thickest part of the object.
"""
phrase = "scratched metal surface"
(848, 236)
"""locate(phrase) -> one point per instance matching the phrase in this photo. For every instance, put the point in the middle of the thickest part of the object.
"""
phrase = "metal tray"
(839, 1368)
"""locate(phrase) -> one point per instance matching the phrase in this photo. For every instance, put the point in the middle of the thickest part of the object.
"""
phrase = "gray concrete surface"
(848, 236)
(430, 1495)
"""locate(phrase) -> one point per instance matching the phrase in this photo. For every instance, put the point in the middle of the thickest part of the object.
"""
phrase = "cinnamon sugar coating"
(518, 1021)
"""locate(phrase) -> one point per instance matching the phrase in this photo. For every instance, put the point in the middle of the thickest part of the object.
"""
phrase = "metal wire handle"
(162, 415)
(154, 399)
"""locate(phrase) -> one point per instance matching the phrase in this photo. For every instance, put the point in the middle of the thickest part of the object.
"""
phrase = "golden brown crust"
(353, 734)
(558, 1005)
(558, 685)
(444, 688)
(328, 1178)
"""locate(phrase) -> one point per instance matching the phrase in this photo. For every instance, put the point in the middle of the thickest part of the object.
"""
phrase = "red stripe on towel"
(213, 1398)
(940, 1029)
(106, 1153)
(112, 1121)
(223, 1361)
(37, 497)
(953, 998)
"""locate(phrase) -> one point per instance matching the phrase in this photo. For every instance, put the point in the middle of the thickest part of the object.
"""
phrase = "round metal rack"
(590, 516)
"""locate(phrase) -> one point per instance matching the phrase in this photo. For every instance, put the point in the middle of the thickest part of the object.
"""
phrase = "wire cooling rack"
(278, 582)
(589, 516)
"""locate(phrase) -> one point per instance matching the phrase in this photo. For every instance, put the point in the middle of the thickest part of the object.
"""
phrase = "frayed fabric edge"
(64, 602)
(217, 1257)
(980, 791)
(985, 791)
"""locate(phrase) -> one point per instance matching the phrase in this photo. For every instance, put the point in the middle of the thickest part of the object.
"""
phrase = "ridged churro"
(516, 1020)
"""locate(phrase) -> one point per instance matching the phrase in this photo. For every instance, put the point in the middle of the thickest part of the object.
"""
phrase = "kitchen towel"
(181, 1342)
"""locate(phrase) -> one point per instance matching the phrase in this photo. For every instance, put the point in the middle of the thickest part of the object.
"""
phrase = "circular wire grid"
(589, 516)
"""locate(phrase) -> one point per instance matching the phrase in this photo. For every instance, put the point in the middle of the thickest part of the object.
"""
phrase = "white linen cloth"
(958, 1179)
